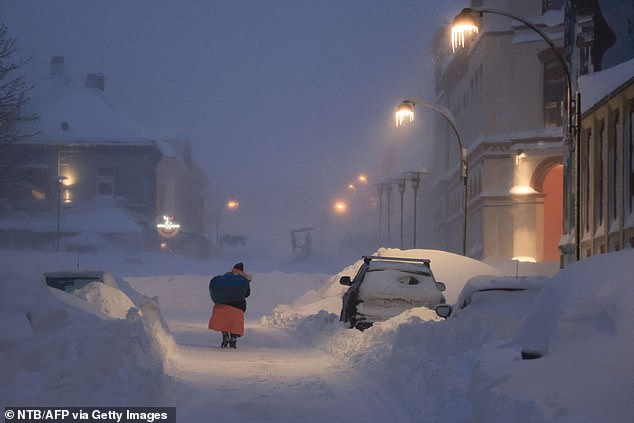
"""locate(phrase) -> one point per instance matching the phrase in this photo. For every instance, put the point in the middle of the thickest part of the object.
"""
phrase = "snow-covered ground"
(297, 362)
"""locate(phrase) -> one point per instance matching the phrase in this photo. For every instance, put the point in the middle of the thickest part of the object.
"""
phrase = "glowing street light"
(466, 21)
(340, 206)
(230, 204)
(463, 24)
(406, 111)
(362, 179)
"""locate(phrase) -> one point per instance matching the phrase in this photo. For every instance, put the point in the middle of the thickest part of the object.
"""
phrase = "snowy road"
(271, 377)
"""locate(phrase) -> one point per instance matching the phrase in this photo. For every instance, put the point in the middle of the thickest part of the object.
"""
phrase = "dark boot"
(225, 340)
(233, 340)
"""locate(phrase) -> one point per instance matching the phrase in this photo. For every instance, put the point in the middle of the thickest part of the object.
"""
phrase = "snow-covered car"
(71, 280)
(488, 290)
(78, 283)
(385, 287)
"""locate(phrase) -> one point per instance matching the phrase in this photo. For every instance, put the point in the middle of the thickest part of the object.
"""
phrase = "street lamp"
(465, 21)
(387, 187)
(340, 206)
(231, 204)
(415, 181)
(400, 184)
(406, 112)
(60, 182)
(380, 188)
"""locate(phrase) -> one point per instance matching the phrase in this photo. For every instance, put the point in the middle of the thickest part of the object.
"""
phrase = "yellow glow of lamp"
(233, 204)
(363, 179)
(464, 23)
(405, 111)
(340, 206)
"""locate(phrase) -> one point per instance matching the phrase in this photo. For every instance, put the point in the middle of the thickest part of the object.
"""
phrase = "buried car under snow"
(71, 280)
(109, 293)
(385, 287)
(491, 291)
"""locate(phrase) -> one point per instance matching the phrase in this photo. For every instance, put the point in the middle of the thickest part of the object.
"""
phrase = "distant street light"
(340, 206)
(230, 204)
(415, 180)
(405, 111)
(60, 182)
(466, 21)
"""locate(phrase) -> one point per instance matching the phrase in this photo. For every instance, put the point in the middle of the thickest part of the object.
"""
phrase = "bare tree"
(13, 96)
(13, 89)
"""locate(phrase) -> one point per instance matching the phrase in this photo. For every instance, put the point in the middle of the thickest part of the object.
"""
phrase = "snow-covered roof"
(597, 86)
(70, 112)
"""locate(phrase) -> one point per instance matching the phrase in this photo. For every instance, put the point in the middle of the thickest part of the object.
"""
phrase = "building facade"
(87, 178)
(506, 91)
(601, 52)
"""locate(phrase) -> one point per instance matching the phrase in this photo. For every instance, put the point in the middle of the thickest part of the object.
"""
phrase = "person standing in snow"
(228, 293)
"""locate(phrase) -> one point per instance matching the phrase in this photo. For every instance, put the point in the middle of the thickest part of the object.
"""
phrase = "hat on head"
(239, 266)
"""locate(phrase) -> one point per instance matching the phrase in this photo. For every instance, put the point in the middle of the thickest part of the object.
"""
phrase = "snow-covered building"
(85, 177)
(506, 92)
(601, 51)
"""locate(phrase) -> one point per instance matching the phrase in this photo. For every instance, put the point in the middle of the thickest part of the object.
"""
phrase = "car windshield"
(70, 283)
(412, 268)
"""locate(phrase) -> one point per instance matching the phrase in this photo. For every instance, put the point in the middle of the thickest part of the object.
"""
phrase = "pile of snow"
(56, 348)
(470, 368)
(582, 324)
(59, 349)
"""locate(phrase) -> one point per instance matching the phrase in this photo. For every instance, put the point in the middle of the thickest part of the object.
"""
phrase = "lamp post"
(232, 204)
(415, 181)
(388, 192)
(465, 22)
(380, 189)
(60, 182)
(406, 111)
(400, 184)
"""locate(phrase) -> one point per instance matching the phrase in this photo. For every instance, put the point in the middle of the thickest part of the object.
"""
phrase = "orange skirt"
(225, 318)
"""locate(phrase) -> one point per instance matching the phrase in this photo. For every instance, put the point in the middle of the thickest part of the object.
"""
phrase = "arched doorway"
(553, 191)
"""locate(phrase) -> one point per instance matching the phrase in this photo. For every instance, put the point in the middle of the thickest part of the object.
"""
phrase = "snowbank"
(469, 367)
(57, 349)
(582, 324)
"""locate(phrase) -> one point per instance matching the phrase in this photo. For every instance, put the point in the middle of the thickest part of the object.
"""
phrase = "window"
(613, 168)
(598, 178)
(628, 147)
(586, 182)
(554, 88)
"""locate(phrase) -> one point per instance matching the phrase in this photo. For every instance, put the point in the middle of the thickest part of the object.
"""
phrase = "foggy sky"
(284, 101)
